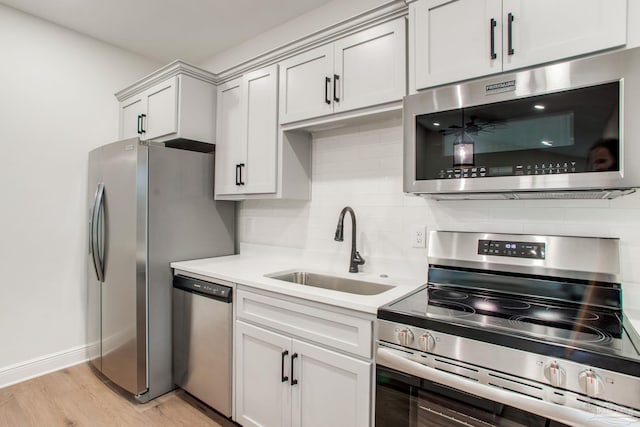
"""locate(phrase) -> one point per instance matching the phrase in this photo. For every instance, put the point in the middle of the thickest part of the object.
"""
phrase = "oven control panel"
(531, 250)
(563, 382)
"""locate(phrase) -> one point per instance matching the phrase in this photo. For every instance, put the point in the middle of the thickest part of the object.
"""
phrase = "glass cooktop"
(587, 334)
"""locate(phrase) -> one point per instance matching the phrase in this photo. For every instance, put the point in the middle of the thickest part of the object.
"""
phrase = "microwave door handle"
(397, 360)
(95, 232)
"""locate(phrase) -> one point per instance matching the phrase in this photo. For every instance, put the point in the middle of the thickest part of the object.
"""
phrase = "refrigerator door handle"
(92, 210)
(95, 229)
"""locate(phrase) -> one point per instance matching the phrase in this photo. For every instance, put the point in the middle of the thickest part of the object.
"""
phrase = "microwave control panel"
(515, 170)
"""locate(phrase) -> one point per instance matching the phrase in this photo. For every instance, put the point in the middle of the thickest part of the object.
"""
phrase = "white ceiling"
(165, 30)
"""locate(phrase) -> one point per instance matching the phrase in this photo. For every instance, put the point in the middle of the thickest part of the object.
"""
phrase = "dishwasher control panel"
(209, 289)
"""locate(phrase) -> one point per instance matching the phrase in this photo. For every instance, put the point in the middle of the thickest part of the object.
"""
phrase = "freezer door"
(124, 324)
(93, 284)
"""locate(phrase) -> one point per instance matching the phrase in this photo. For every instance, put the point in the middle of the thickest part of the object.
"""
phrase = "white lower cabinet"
(332, 389)
(299, 364)
(262, 398)
(282, 381)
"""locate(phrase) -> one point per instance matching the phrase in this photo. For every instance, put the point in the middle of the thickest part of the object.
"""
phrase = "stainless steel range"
(510, 330)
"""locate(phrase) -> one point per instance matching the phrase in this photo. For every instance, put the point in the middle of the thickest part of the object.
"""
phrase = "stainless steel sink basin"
(334, 283)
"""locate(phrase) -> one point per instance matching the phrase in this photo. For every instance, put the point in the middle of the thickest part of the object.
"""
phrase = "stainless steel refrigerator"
(148, 205)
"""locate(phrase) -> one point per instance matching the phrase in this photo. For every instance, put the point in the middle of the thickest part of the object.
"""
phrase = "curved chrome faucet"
(355, 259)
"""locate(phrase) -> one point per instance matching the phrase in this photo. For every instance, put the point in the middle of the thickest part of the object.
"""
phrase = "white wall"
(56, 104)
(362, 167)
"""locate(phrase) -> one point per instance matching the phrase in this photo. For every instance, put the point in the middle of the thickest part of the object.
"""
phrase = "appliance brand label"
(508, 86)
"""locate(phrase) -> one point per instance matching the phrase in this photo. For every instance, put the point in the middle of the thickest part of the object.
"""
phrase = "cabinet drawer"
(341, 331)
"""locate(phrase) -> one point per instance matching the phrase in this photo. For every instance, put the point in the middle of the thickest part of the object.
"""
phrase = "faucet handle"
(357, 259)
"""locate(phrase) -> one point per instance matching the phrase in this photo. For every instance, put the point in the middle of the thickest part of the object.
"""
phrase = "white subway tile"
(361, 167)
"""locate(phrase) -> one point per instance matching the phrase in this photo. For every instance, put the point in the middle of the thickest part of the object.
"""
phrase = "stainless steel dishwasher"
(202, 334)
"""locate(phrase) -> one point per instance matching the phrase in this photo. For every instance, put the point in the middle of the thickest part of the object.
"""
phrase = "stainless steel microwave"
(564, 130)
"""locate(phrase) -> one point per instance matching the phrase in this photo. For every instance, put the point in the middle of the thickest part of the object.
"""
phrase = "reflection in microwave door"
(463, 154)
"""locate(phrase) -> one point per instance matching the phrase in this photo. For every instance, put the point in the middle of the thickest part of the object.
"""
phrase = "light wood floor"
(77, 397)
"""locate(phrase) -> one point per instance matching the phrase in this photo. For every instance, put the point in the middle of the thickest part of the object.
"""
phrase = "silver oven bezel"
(622, 66)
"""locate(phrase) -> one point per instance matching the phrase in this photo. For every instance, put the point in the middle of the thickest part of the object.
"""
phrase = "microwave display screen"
(565, 132)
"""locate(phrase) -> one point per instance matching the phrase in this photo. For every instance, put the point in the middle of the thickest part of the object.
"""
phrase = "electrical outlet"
(419, 237)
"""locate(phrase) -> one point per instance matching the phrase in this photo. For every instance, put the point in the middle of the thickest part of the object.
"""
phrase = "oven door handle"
(396, 359)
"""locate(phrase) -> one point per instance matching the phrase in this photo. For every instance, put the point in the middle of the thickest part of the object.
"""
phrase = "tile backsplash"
(361, 166)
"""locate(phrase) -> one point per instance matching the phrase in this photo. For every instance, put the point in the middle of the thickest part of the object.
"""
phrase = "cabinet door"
(453, 40)
(162, 110)
(260, 121)
(548, 30)
(130, 115)
(306, 85)
(229, 144)
(262, 398)
(370, 67)
(332, 389)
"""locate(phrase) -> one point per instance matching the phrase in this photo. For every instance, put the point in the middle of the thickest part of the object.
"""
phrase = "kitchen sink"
(340, 284)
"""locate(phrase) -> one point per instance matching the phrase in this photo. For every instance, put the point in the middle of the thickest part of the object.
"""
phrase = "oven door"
(406, 400)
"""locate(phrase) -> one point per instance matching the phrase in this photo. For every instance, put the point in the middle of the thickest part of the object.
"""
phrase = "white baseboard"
(43, 365)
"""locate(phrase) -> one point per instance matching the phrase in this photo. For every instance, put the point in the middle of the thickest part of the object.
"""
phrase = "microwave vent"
(534, 195)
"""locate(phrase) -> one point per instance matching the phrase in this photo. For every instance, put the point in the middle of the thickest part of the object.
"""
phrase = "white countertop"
(634, 318)
(255, 261)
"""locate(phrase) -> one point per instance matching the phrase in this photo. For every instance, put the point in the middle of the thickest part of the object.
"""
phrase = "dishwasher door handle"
(284, 377)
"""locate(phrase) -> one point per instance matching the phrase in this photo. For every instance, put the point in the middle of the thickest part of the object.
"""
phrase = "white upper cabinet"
(370, 67)
(253, 159)
(361, 70)
(545, 30)
(456, 40)
(162, 110)
(132, 111)
(230, 150)
(178, 101)
(305, 85)
(453, 40)
(260, 130)
(247, 140)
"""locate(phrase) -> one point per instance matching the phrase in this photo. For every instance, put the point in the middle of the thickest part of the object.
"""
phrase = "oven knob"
(591, 383)
(405, 336)
(554, 374)
(426, 342)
